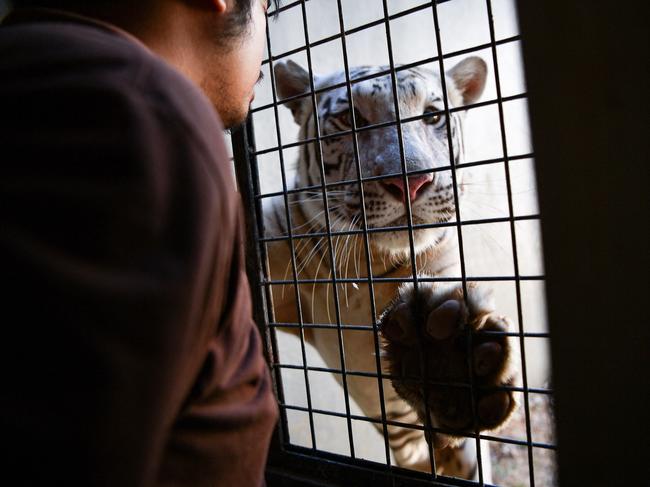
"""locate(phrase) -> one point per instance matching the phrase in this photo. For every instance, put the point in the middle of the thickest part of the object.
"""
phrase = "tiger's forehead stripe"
(418, 86)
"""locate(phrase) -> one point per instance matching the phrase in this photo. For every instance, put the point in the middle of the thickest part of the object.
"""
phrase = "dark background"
(587, 73)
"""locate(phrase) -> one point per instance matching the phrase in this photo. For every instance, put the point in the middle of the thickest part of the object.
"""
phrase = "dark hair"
(237, 22)
(239, 19)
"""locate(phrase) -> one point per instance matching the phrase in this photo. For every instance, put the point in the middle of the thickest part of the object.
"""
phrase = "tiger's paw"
(427, 345)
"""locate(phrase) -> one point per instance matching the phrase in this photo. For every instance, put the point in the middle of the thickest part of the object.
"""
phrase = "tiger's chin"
(397, 244)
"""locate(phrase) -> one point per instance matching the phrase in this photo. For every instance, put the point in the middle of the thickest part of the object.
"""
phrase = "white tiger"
(428, 328)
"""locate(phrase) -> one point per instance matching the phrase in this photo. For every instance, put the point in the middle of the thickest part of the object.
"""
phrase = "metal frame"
(293, 465)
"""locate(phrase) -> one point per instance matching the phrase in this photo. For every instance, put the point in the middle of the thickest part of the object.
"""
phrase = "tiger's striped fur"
(424, 143)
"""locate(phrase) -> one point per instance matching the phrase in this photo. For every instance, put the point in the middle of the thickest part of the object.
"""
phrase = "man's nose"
(416, 186)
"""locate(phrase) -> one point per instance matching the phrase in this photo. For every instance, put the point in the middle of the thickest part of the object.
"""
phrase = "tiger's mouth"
(418, 217)
(434, 204)
(426, 224)
(400, 233)
(418, 220)
(389, 219)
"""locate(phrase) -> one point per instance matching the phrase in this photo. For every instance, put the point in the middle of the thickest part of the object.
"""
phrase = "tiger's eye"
(433, 119)
(346, 118)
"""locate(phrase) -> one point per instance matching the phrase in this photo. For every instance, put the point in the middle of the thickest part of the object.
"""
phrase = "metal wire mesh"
(266, 166)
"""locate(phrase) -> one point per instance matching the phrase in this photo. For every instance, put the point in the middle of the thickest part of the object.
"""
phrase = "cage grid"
(246, 154)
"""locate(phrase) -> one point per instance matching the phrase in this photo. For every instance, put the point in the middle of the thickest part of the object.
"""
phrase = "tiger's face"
(424, 138)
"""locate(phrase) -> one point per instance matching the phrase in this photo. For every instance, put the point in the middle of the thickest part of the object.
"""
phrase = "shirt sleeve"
(129, 352)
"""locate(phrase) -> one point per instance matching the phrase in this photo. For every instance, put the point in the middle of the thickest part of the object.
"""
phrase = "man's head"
(239, 37)
(219, 44)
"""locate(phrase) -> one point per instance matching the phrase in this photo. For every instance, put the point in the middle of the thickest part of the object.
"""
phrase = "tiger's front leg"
(429, 352)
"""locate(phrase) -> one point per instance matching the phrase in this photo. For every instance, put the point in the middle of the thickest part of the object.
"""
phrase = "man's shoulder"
(70, 55)
(73, 94)
(52, 48)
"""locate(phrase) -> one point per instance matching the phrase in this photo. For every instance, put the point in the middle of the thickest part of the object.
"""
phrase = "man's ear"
(220, 5)
(469, 77)
(292, 80)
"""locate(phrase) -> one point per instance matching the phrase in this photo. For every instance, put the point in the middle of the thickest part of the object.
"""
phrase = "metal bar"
(506, 166)
(361, 373)
(371, 327)
(406, 279)
(497, 439)
(375, 23)
(364, 228)
(354, 30)
(248, 184)
(409, 219)
(459, 231)
(340, 471)
(291, 244)
(404, 227)
(483, 162)
(402, 67)
(390, 123)
(297, 3)
(394, 16)
(328, 227)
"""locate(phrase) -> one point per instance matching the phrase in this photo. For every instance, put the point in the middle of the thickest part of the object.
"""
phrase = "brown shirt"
(129, 356)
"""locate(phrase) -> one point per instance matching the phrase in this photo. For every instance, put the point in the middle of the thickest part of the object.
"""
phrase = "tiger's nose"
(417, 185)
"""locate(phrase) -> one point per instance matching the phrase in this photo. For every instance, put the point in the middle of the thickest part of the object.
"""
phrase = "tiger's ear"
(292, 80)
(469, 77)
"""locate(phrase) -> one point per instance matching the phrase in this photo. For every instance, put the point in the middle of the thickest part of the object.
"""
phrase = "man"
(129, 354)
